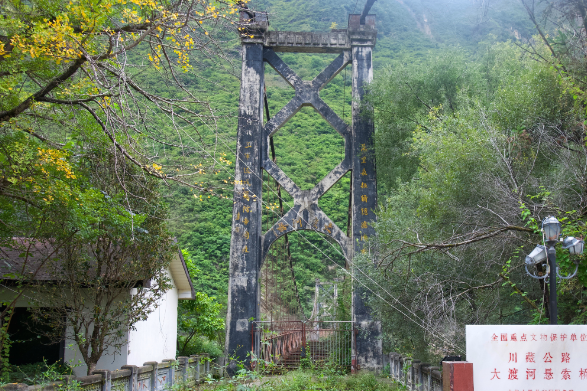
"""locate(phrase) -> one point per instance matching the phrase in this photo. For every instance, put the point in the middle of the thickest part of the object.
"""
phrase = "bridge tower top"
(256, 26)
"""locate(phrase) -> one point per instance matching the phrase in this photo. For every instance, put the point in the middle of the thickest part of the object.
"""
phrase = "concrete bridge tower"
(249, 244)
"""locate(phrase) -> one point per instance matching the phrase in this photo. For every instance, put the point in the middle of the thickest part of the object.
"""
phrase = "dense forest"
(129, 138)
(411, 35)
(307, 147)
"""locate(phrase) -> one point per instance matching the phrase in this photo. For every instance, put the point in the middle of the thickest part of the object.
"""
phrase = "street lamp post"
(552, 299)
(551, 229)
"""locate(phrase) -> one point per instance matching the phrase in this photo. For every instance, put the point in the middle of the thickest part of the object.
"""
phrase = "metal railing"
(284, 344)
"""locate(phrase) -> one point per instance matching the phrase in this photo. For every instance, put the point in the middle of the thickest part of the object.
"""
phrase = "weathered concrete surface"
(306, 214)
(362, 34)
(334, 41)
(307, 93)
(245, 245)
(354, 45)
(364, 187)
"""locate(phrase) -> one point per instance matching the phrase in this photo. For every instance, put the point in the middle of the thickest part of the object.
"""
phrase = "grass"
(37, 373)
(302, 380)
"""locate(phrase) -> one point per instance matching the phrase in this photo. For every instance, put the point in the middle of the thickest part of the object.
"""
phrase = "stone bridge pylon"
(249, 244)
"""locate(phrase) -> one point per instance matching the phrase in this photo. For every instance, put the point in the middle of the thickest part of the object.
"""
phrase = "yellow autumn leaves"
(42, 175)
(76, 29)
(57, 160)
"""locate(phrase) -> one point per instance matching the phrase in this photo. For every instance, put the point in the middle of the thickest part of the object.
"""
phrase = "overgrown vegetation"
(37, 373)
(477, 139)
(307, 147)
(305, 379)
(200, 329)
(480, 150)
(85, 141)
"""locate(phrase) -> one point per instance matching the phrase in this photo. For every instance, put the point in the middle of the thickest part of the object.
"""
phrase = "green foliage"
(307, 147)
(207, 238)
(409, 29)
(202, 345)
(413, 39)
(6, 345)
(198, 318)
(452, 154)
(404, 96)
(303, 380)
(490, 139)
(69, 213)
(35, 373)
(42, 374)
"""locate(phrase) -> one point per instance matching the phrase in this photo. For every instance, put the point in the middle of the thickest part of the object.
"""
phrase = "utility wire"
(287, 245)
(334, 262)
(334, 247)
(357, 2)
(356, 268)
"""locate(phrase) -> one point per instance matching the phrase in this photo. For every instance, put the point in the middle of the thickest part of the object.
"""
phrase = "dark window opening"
(29, 345)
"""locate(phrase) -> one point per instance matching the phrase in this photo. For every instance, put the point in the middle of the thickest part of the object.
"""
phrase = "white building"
(154, 339)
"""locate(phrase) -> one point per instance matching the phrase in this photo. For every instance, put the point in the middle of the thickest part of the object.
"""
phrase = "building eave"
(181, 277)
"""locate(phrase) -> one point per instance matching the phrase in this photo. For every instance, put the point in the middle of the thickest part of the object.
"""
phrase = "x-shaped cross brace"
(306, 214)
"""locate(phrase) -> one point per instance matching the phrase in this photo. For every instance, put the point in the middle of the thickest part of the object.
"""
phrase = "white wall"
(109, 360)
(155, 338)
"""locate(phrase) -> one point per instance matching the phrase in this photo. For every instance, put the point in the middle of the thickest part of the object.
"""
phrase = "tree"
(404, 96)
(199, 317)
(85, 131)
(89, 220)
(39, 190)
(61, 58)
(566, 46)
(453, 235)
(114, 244)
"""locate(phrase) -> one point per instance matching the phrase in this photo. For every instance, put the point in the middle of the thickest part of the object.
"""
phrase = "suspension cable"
(334, 247)
(287, 244)
(422, 325)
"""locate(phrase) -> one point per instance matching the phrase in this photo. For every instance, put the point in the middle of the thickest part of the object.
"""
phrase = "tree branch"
(27, 103)
(540, 32)
(445, 246)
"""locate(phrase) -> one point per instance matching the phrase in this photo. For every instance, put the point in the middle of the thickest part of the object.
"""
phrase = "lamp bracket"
(535, 276)
(568, 277)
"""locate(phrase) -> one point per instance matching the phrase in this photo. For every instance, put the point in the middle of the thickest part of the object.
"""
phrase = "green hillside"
(307, 147)
(115, 139)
